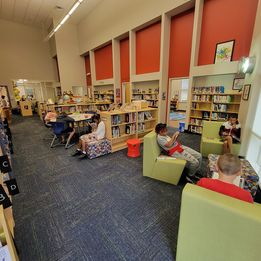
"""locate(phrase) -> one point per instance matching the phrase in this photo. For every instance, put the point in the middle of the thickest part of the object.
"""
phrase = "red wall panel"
(88, 70)
(125, 60)
(225, 20)
(148, 49)
(103, 62)
(180, 44)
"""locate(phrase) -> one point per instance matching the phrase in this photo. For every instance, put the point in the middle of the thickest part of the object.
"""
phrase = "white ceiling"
(40, 13)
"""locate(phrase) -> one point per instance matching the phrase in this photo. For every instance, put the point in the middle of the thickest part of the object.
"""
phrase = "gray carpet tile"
(100, 209)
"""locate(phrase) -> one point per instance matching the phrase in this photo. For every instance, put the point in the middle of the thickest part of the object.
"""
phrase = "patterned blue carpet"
(101, 209)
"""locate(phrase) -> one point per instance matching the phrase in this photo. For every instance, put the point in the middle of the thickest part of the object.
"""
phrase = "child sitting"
(229, 167)
(230, 133)
(176, 150)
(98, 133)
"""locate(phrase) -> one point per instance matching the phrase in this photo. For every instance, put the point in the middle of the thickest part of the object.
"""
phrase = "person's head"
(3, 97)
(233, 119)
(229, 165)
(96, 118)
(161, 129)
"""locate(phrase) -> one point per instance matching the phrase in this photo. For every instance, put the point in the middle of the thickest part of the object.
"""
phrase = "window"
(184, 90)
(254, 149)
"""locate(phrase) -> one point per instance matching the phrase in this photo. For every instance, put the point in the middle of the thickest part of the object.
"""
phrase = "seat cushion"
(98, 148)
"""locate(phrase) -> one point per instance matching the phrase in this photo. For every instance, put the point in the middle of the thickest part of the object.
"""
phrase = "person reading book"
(173, 148)
(230, 132)
(228, 167)
(98, 133)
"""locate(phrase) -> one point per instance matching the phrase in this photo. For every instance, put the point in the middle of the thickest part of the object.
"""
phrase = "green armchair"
(166, 169)
(210, 140)
(216, 227)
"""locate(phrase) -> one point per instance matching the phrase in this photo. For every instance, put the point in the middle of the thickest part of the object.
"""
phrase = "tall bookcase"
(211, 103)
(124, 125)
(103, 93)
(147, 90)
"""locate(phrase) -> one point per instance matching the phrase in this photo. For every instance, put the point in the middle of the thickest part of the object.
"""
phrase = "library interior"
(129, 130)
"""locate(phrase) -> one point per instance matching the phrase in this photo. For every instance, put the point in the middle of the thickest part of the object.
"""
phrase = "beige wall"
(71, 64)
(23, 54)
(248, 108)
(112, 18)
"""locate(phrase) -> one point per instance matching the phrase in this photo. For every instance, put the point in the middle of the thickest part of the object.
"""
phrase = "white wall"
(23, 54)
(112, 18)
(251, 146)
(71, 64)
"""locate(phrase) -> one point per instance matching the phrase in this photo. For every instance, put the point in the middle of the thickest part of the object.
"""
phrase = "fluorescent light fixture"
(74, 8)
(246, 65)
(65, 18)
(57, 27)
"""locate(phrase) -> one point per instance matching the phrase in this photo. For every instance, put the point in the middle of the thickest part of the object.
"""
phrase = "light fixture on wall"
(246, 65)
(64, 19)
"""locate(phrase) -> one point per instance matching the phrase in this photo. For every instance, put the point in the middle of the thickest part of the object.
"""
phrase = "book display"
(124, 125)
(211, 103)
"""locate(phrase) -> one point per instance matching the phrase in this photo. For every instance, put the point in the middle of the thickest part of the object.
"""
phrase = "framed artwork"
(246, 91)
(238, 84)
(224, 51)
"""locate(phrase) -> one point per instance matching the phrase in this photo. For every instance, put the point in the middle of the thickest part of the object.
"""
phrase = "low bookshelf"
(213, 104)
(124, 125)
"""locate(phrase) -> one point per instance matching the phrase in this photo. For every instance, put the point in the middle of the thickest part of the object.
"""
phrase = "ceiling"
(40, 13)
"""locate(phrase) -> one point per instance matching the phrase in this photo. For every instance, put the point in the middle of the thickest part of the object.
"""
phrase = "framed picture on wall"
(238, 84)
(224, 51)
(246, 91)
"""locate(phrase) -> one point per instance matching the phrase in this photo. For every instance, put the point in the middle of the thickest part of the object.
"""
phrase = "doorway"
(178, 101)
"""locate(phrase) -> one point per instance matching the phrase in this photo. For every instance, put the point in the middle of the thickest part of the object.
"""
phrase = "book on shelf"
(220, 107)
(130, 129)
(115, 132)
(195, 129)
(141, 127)
(223, 98)
(202, 98)
(196, 121)
(147, 115)
(115, 119)
(141, 116)
(130, 117)
(208, 89)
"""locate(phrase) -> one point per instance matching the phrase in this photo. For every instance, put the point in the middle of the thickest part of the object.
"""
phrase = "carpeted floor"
(101, 209)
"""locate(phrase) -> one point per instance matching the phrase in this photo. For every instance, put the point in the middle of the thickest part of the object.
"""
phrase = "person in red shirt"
(229, 167)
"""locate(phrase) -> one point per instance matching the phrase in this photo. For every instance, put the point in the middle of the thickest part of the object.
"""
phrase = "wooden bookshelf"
(151, 98)
(212, 104)
(124, 125)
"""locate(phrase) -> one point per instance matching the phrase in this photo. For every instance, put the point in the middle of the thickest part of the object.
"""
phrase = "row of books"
(195, 129)
(118, 119)
(222, 98)
(141, 127)
(115, 132)
(219, 107)
(129, 129)
(219, 116)
(209, 89)
(196, 121)
(144, 116)
(150, 91)
(206, 98)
